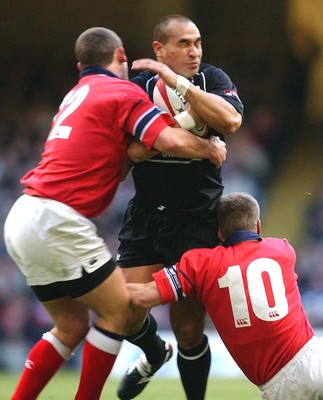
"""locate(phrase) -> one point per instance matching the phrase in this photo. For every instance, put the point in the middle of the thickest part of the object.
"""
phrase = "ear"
(79, 66)
(158, 48)
(220, 236)
(120, 54)
(259, 227)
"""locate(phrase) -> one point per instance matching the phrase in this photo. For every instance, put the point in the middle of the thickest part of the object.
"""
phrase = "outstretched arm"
(144, 295)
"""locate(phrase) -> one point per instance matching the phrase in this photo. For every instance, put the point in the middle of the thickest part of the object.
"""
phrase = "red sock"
(99, 354)
(41, 364)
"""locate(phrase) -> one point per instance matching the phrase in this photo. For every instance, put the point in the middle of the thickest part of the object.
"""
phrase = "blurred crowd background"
(272, 50)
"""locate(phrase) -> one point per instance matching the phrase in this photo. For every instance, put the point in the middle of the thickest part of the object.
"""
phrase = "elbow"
(135, 155)
(136, 158)
(232, 125)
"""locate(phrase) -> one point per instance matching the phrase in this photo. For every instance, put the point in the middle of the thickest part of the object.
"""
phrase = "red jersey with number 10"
(83, 157)
(251, 295)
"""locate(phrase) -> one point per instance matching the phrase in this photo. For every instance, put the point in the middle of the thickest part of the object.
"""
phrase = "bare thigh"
(187, 319)
(110, 300)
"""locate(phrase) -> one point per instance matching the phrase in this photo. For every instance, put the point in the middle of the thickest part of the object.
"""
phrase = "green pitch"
(64, 385)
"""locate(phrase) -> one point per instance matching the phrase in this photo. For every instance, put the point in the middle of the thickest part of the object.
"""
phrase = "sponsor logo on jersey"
(242, 321)
(273, 314)
(232, 93)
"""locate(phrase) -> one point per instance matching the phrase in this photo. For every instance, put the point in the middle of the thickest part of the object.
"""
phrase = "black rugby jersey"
(188, 185)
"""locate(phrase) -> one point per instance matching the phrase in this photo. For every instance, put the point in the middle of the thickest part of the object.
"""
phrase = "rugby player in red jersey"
(48, 231)
(248, 287)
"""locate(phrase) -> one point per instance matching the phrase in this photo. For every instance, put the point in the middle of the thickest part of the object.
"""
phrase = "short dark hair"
(96, 46)
(161, 32)
(237, 211)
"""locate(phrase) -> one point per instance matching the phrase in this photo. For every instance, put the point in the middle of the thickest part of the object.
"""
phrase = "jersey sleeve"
(146, 80)
(141, 118)
(219, 83)
(177, 281)
(168, 285)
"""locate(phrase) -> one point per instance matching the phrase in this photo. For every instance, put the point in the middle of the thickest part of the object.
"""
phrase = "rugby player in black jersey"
(173, 209)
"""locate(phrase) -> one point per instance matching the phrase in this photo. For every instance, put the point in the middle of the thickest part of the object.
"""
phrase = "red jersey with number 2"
(251, 295)
(83, 157)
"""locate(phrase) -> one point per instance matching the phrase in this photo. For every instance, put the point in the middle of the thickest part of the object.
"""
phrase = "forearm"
(144, 295)
(137, 151)
(214, 110)
(180, 143)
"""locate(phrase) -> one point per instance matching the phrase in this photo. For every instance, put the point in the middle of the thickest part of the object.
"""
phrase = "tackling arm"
(137, 151)
(144, 295)
(180, 143)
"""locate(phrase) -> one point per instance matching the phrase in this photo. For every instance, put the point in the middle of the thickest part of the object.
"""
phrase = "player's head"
(177, 43)
(101, 47)
(236, 212)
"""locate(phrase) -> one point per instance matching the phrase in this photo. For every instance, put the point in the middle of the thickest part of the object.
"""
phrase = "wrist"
(182, 85)
(185, 120)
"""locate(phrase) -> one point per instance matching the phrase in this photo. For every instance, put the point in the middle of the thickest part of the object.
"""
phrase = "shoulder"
(209, 69)
(214, 80)
(132, 90)
(281, 245)
(212, 71)
(111, 89)
(214, 74)
(278, 241)
(114, 83)
(201, 254)
(143, 79)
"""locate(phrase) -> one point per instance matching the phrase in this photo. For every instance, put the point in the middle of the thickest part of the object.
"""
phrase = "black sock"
(194, 366)
(149, 341)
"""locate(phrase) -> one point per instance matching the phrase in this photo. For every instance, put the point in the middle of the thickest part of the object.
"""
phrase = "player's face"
(183, 50)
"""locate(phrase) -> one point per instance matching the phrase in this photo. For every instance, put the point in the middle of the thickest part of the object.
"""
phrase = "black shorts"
(152, 235)
(76, 287)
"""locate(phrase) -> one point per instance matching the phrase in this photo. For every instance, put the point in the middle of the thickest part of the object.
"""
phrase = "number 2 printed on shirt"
(70, 103)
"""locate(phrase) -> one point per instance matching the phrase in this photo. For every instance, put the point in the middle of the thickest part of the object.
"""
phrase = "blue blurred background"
(273, 52)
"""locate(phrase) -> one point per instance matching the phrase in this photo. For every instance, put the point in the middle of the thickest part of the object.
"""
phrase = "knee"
(188, 334)
(137, 321)
(71, 333)
(80, 331)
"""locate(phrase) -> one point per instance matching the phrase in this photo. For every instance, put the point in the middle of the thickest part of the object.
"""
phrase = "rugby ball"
(169, 100)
